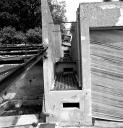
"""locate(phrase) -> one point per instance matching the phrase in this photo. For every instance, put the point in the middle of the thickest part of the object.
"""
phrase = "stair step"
(66, 81)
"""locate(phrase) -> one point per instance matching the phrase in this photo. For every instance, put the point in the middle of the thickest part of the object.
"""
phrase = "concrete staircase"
(65, 73)
(65, 100)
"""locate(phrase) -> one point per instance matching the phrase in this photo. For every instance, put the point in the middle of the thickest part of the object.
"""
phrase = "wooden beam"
(19, 120)
(4, 106)
(11, 61)
(19, 52)
(20, 48)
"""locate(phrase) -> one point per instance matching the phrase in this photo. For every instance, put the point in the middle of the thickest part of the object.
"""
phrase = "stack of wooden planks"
(107, 74)
(18, 54)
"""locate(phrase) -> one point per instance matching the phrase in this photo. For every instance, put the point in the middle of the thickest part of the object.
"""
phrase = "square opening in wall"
(71, 105)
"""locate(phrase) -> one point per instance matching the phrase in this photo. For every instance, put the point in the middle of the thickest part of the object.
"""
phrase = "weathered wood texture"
(21, 120)
(15, 48)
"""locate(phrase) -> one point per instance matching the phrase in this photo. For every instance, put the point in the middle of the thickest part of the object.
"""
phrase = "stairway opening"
(65, 73)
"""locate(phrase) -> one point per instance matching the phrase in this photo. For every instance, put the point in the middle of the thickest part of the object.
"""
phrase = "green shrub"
(19, 38)
(34, 36)
(7, 35)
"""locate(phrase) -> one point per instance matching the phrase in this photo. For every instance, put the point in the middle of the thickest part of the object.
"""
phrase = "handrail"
(19, 48)
(20, 52)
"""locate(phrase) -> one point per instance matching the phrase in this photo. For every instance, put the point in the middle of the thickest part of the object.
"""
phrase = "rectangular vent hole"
(71, 105)
(66, 51)
(68, 69)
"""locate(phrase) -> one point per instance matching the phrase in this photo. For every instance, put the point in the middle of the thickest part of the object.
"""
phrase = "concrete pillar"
(58, 42)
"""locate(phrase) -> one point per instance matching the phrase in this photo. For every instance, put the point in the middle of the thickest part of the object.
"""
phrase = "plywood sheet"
(107, 74)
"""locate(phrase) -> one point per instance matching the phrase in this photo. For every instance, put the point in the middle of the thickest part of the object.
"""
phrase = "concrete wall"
(60, 67)
(50, 37)
(74, 52)
(75, 47)
(58, 42)
(28, 87)
(104, 15)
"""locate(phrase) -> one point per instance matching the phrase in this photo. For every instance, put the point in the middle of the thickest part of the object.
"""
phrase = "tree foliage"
(24, 17)
(9, 36)
(34, 36)
(21, 14)
(58, 13)
(26, 14)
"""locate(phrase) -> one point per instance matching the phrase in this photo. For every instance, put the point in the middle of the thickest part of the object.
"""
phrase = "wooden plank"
(19, 52)
(20, 48)
(21, 61)
(3, 106)
(9, 121)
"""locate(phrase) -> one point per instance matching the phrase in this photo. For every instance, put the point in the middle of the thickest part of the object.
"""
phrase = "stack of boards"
(106, 48)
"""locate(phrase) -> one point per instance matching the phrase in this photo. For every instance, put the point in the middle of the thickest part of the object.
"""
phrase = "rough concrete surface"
(29, 86)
